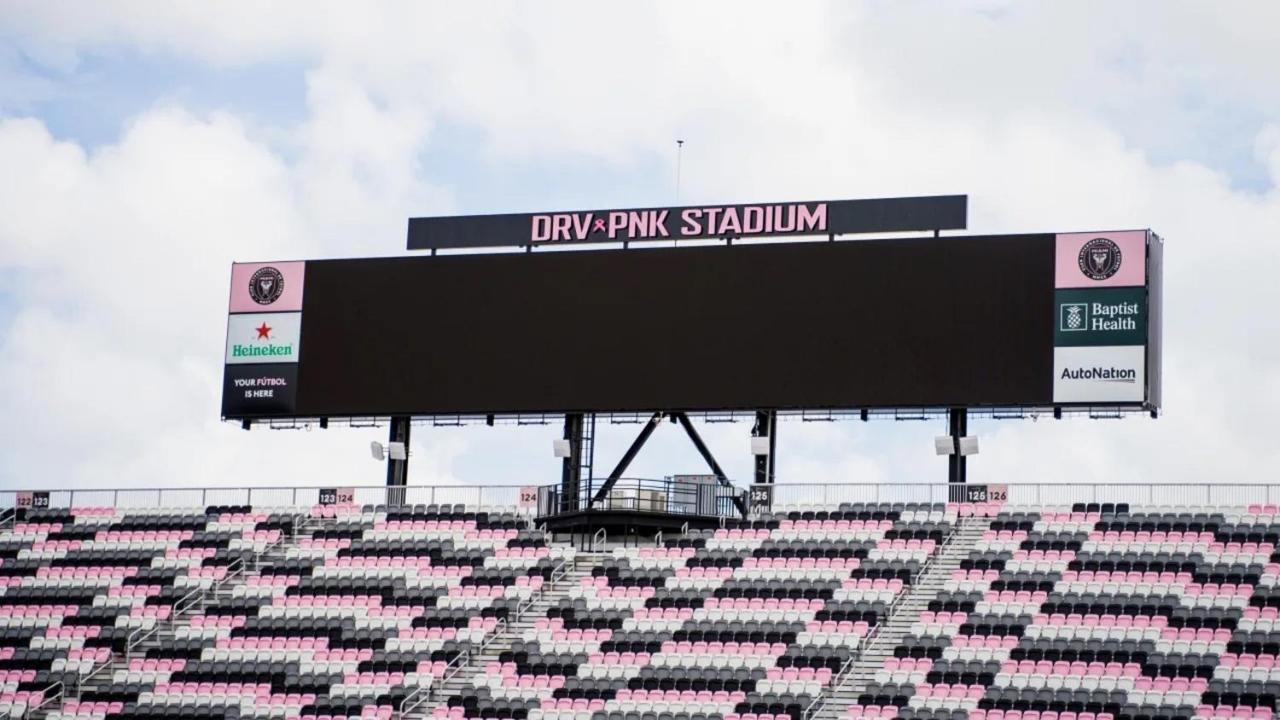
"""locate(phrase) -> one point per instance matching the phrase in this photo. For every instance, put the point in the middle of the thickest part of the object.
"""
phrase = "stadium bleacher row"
(77, 587)
(752, 620)
(1097, 613)
(1092, 612)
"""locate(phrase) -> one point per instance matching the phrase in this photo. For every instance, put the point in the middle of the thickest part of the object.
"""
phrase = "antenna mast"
(679, 154)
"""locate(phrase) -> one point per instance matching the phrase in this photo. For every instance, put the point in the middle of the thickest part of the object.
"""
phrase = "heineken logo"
(266, 285)
(264, 338)
(270, 350)
(1101, 373)
(265, 350)
(1099, 259)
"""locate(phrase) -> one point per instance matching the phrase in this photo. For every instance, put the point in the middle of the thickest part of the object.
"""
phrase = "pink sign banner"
(529, 496)
(267, 287)
(1101, 259)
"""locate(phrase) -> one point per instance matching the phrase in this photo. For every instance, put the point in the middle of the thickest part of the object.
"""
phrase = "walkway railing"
(783, 494)
(1030, 494)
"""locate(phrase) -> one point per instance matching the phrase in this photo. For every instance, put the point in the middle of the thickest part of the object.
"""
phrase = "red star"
(263, 331)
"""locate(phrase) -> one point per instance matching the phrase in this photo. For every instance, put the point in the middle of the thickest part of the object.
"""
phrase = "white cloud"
(1048, 118)
(111, 368)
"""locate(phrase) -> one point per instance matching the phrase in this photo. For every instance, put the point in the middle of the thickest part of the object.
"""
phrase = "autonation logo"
(1102, 374)
(1109, 373)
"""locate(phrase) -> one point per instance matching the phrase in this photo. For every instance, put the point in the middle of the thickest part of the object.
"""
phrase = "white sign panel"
(529, 496)
(263, 338)
(337, 496)
(1099, 374)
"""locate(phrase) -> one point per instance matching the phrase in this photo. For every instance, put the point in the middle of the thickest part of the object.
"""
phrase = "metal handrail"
(49, 699)
(196, 597)
(819, 702)
(140, 635)
(811, 710)
(599, 538)
(557, 573)
(412, 701)
(45, 700)
(93, 672)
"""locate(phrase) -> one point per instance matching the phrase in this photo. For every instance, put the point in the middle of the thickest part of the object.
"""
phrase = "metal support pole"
(703, 450)
(630, 455)
(571, 472)
(706, 455)
(766, 426)
(958, 419)
(398, 470)
(587, 454)
(761, 498)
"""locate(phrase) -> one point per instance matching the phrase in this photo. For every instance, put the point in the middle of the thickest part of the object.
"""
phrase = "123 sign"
(337, 496)
(32, 500)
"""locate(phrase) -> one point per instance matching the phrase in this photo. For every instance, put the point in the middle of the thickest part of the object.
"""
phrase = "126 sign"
(986, 493)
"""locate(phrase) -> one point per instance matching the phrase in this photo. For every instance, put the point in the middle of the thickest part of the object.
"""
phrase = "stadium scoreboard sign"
(1101, 297)
(998, 321)
(264, 331)
(820, 217)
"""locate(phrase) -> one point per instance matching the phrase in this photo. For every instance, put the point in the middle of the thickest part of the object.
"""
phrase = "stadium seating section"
(78, 585)
(1097, 612)
(1086, 612)
(751, 620)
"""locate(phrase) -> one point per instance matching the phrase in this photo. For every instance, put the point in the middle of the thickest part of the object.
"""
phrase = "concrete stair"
(905, 612)
(101, 678)
(459, 682)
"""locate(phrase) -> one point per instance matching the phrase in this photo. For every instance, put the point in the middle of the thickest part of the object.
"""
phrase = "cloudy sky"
(146, 146)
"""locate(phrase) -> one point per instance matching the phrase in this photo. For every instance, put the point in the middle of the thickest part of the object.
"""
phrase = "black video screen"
(964, 321)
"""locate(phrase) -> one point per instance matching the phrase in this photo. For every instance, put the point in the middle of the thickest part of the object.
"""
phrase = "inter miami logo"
(1099, 259)
(266, 285)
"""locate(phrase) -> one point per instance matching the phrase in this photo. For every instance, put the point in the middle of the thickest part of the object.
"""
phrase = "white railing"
(489, 496)
(1033, 494)
(785, 494)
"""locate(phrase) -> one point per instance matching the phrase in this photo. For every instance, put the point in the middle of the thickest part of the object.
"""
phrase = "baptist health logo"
(1074, 317)
(1111, 316)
